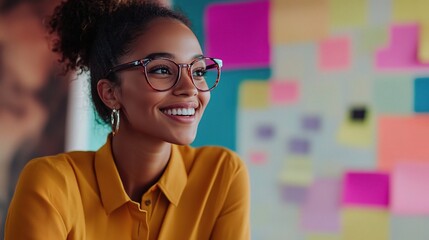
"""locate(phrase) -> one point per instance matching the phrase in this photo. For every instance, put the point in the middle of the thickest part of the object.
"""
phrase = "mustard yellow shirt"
(203, 194)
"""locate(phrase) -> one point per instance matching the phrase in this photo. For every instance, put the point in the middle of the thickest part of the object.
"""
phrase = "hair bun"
(74, 24)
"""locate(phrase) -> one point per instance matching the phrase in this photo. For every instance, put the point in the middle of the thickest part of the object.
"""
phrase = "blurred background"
(326, 101)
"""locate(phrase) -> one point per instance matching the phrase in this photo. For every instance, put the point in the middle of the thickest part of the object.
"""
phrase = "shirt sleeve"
(233, 221)
(33, 212)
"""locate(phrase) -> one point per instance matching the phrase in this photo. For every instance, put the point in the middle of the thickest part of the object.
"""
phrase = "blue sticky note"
(421, 95)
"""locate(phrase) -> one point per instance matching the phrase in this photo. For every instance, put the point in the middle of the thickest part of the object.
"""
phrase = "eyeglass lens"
(162, 74)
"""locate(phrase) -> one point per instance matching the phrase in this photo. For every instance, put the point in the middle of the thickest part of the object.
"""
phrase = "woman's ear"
(108, 94)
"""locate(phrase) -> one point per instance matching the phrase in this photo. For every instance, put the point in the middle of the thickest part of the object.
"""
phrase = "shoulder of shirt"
(63, 161)
(211, 156)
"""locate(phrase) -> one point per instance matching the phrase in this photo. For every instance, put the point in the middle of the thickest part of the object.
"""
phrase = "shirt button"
(147, 202)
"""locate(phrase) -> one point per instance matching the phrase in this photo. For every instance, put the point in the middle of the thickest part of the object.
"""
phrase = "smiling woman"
(151, 81)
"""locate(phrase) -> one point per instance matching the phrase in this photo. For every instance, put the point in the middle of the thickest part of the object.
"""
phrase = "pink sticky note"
(238, 33)
(402, 138)
(321, 209)
(334, 54)
(410, 191)
(283, 92)
(258, 158)
(366, 188)
(402, 51)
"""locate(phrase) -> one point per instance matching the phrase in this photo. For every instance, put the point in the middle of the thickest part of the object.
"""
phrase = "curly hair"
(94, 34)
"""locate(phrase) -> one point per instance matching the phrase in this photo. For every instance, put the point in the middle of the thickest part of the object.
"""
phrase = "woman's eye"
(199, 73)
(160, 70)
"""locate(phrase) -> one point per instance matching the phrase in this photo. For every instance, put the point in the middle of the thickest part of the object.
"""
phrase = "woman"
(150, 80)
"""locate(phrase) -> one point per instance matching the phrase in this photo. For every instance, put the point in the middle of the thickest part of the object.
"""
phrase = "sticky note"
(258, 157)
(265, 132)
(292, 193)
(299, 146)
(254, 95)
(401, 53)
(321, 209)
(350, 13)
(228, 26)
(297, 171)
(393, 95)
(423, 44)
(410, 192)
(363, 223)
(402, 138)
(366, 188)
(334, 54)
(299, 20)
(410, 11)
(355, 131)
(311, 122)
(283, 92)
(421, 95)
(403, 227)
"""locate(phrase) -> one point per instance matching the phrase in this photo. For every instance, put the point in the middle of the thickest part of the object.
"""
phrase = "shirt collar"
(113, 195)
(175, 177)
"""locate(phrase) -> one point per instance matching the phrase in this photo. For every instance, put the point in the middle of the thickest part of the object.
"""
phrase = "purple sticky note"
(293, 194)
(402, 52)
(311, 122)
(321, 210)
(299, 146)
(265, 132)
(238, 33)
(366, 188)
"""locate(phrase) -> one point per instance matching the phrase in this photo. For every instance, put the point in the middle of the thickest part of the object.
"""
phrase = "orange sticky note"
(299, 20)
(402, 138)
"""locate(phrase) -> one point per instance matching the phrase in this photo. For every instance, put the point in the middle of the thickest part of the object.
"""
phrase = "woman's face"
(145, 111)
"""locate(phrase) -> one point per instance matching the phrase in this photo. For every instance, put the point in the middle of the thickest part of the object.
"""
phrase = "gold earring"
(115, 120)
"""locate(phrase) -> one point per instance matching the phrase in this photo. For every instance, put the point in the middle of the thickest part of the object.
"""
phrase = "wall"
(327, 102)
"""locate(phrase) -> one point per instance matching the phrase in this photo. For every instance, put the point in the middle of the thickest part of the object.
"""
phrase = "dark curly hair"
(94, 34)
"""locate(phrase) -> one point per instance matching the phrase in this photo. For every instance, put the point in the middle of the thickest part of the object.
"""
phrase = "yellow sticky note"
(323, 237)
(297, 171)
(357, 133)
(298, 20)
(363, 223)
(254, 95)
(410, 11)
(424, 42)
(350, 13)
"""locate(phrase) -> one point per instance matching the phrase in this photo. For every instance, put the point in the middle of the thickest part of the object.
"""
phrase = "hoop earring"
(115, 120)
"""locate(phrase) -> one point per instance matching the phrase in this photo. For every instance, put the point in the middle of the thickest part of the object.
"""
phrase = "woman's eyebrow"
(169, 55)
(160, 55)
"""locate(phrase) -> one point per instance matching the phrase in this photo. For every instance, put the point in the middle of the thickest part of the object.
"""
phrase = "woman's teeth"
(180, 111)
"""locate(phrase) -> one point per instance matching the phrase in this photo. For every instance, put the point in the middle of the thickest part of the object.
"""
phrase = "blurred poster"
(33, 93)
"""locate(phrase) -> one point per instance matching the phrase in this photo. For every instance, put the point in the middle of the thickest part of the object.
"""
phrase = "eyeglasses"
(162, 74)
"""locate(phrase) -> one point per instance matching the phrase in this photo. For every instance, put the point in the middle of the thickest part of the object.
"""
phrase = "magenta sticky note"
(238, 33)
(334, 54)
(321, 209)
(283, 92)
(402, 50)
(409, 188)
(366, 188)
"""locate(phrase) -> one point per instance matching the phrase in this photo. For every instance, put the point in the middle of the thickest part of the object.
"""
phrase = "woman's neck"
(140, 162)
